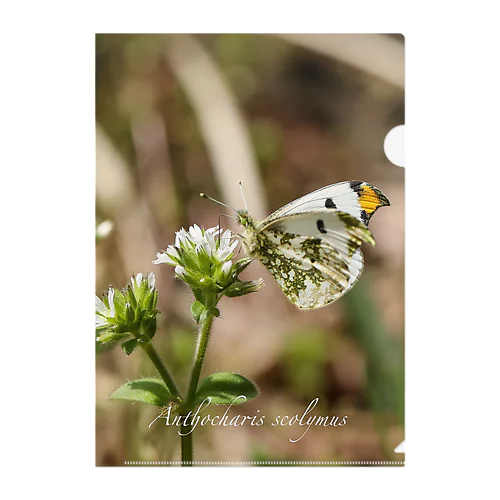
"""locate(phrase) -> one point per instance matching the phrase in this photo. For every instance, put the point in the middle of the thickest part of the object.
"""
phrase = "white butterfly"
(312, 246)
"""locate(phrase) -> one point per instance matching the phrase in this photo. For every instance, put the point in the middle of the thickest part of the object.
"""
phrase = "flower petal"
(138, 279)
(151, 280)
(208, 247)
(233, 245)
(225, 238)
(223, 254)
(226, 267)
(180, 270)
(196, 234)
(100, 306)
(212, 230)
(181, 238)
(172, 252)
(111, 301)
(100, 322)
(163, 258)
(211, 241)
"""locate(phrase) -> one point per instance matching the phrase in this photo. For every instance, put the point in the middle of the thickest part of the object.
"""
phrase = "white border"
(452, 269)
(265, 462)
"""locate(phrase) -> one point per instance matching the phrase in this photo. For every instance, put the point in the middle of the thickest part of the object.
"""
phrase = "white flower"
(196, 234)
(128, 312)
(151, 280)
(103, 229)
(226, 248)
(163, 258)
(137, 280)
(167, 257)
(103, 312)
(226, 267)
(205, 243)
(202, 257)
(180, 270)
(225, 238)
(181, 237)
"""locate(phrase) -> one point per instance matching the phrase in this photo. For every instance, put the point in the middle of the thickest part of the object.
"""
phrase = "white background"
(452, 297)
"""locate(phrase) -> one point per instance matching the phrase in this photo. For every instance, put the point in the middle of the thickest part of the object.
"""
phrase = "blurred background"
(182, 114)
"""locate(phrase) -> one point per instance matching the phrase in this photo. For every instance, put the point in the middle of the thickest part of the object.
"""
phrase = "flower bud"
(239, 288)
(129, 312)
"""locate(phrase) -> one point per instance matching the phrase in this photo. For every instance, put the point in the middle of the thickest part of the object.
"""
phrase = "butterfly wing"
(315, 257)
(357, 198)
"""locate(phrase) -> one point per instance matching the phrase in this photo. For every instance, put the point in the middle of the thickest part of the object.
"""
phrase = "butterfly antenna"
(242, 195)
(203, 195)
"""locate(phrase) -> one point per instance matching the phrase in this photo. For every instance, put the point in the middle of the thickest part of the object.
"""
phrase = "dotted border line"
(268, 462)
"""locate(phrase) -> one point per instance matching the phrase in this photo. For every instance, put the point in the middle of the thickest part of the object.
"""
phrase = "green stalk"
(201, 349)
(187, 446)
(162, 369)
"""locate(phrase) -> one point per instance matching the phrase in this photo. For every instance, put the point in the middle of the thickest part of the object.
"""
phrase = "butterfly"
(312, 245)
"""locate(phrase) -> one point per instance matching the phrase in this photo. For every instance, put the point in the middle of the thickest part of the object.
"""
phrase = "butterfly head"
(248, 236)
(245, 219)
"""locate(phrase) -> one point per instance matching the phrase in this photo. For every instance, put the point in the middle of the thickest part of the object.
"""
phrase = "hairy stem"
(162, 369)
(201, 349)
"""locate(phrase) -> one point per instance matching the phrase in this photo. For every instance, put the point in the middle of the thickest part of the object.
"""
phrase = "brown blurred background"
(177, 115)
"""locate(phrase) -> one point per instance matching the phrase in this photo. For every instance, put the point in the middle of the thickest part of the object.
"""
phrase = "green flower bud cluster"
(203, 260)
(127, 313)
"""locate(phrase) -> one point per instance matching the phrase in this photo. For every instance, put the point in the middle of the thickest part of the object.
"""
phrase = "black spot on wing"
(329, 203)
(321, 226)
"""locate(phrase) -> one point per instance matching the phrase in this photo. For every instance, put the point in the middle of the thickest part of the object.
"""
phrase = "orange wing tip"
(371, 198)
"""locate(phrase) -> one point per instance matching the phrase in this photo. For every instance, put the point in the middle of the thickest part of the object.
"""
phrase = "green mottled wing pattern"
(315, 257)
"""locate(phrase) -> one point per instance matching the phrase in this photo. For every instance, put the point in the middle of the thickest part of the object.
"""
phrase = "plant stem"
(186, 441)
(162, 369)
(201, 349)
(187, 446)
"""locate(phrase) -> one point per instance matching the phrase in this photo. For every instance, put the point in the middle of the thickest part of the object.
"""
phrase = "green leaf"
(224, 388)
(129, 346)
(207, 312)
(196, 309)
(111, 337)
(214, 312)
(151, 391)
